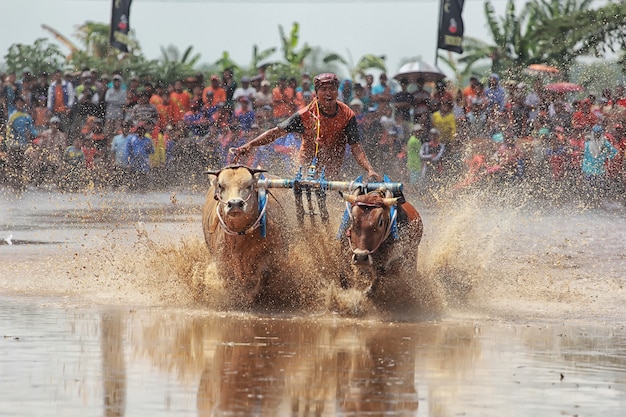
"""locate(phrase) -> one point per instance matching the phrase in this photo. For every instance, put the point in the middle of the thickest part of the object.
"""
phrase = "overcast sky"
(397, 29)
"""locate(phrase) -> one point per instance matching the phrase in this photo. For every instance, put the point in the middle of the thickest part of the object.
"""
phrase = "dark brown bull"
(371, 241)
(231, 220)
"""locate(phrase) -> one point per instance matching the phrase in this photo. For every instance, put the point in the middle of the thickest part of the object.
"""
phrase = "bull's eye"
(380, 221)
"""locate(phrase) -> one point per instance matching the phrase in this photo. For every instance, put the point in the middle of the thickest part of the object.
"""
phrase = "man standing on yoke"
(326, 125)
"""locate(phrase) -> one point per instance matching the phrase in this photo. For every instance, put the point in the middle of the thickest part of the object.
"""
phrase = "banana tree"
(366, 62)
(40, 56)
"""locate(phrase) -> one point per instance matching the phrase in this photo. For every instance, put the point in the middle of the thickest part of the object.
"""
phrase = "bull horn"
(211, 172)
(254, 171)
(350, 198)
(390, 201)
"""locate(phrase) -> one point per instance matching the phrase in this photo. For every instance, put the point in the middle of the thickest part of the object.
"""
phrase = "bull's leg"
(297, 192)
(374, 283)
(256, 292)
(321, 203)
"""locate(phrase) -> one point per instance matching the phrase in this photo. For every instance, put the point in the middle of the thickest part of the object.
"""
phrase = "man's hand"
(239, 152)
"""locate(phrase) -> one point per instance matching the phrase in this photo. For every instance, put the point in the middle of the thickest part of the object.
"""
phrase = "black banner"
(451, 26)
(120, 26)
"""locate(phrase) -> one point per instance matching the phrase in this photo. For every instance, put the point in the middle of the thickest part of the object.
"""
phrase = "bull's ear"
(350, 198)
(390, 201)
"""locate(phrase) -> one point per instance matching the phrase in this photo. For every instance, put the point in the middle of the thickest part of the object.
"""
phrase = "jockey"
(326, 126)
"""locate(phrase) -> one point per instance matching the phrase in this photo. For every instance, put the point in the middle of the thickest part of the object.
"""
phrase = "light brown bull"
(232, 220)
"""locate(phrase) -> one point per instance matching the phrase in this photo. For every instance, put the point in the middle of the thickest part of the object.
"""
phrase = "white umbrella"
(412, 71)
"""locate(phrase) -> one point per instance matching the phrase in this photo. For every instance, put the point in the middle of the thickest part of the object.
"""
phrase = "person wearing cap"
(50, 149)
(495, 95)
(245, 90)
(61, 98)
(413, 160)
(326, 126)
(115, 99)
(213, 94)
(87, 89)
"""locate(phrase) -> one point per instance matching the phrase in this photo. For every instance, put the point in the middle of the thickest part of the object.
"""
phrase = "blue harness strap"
(262, 202)
(345, 220)
(392, 214)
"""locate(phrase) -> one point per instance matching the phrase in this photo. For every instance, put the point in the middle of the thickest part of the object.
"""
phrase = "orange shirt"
(218, 96)
(59, 106)
(335, 132)
(179, 105)
(283, 101)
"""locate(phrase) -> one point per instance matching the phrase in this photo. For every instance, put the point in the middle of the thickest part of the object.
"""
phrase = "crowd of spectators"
(76, 129)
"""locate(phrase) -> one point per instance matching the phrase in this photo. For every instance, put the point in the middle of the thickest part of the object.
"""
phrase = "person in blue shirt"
(20, 132)
(139, 149)
(495, 94)
(597, 151)
(119, 151)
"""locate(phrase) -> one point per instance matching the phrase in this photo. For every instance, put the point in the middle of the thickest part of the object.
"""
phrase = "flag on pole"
(451, 26)
(120, 13)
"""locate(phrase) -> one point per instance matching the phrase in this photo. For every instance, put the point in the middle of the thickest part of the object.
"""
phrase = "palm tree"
(364, 63)
(555, 32)
(294, 57)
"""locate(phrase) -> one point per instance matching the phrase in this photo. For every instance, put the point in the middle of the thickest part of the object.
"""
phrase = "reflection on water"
(72, 346)
(61, 361)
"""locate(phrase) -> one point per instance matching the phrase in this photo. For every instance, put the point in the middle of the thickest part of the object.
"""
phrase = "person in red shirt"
(583, 118)
(283, 99)
(213, 94)
(326, 126)
(180, 102)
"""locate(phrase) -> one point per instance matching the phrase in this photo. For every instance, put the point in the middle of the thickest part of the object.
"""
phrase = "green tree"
(366, 62)
(40, 56)
(294, 57)
(554, 32)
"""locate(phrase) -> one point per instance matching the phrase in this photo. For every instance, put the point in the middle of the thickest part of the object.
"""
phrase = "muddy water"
(110, 306)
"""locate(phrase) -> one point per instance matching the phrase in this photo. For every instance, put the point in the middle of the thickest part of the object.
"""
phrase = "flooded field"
(109, 305)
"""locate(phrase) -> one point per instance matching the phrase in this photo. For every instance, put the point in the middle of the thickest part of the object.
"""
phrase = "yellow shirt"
(446, 125)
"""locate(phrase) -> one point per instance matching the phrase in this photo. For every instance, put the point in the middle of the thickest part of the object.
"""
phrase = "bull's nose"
(235, 203)
(361, 258)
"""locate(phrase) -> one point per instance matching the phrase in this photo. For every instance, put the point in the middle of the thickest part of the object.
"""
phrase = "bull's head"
(235, 188)
(371, 224)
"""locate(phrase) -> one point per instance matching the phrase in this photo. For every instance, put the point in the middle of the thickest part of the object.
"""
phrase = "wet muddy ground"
(101, 314)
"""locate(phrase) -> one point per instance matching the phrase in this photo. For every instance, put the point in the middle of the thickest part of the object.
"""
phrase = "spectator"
(180, 102)
(382, 93)
(61, 99)
(597, 151)
(283, 103)
(495, 95)
(115, 98)
(119, 152)
(20, 132)
(139, 148)
(263, 97)
(403, 101)
(246, 90)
